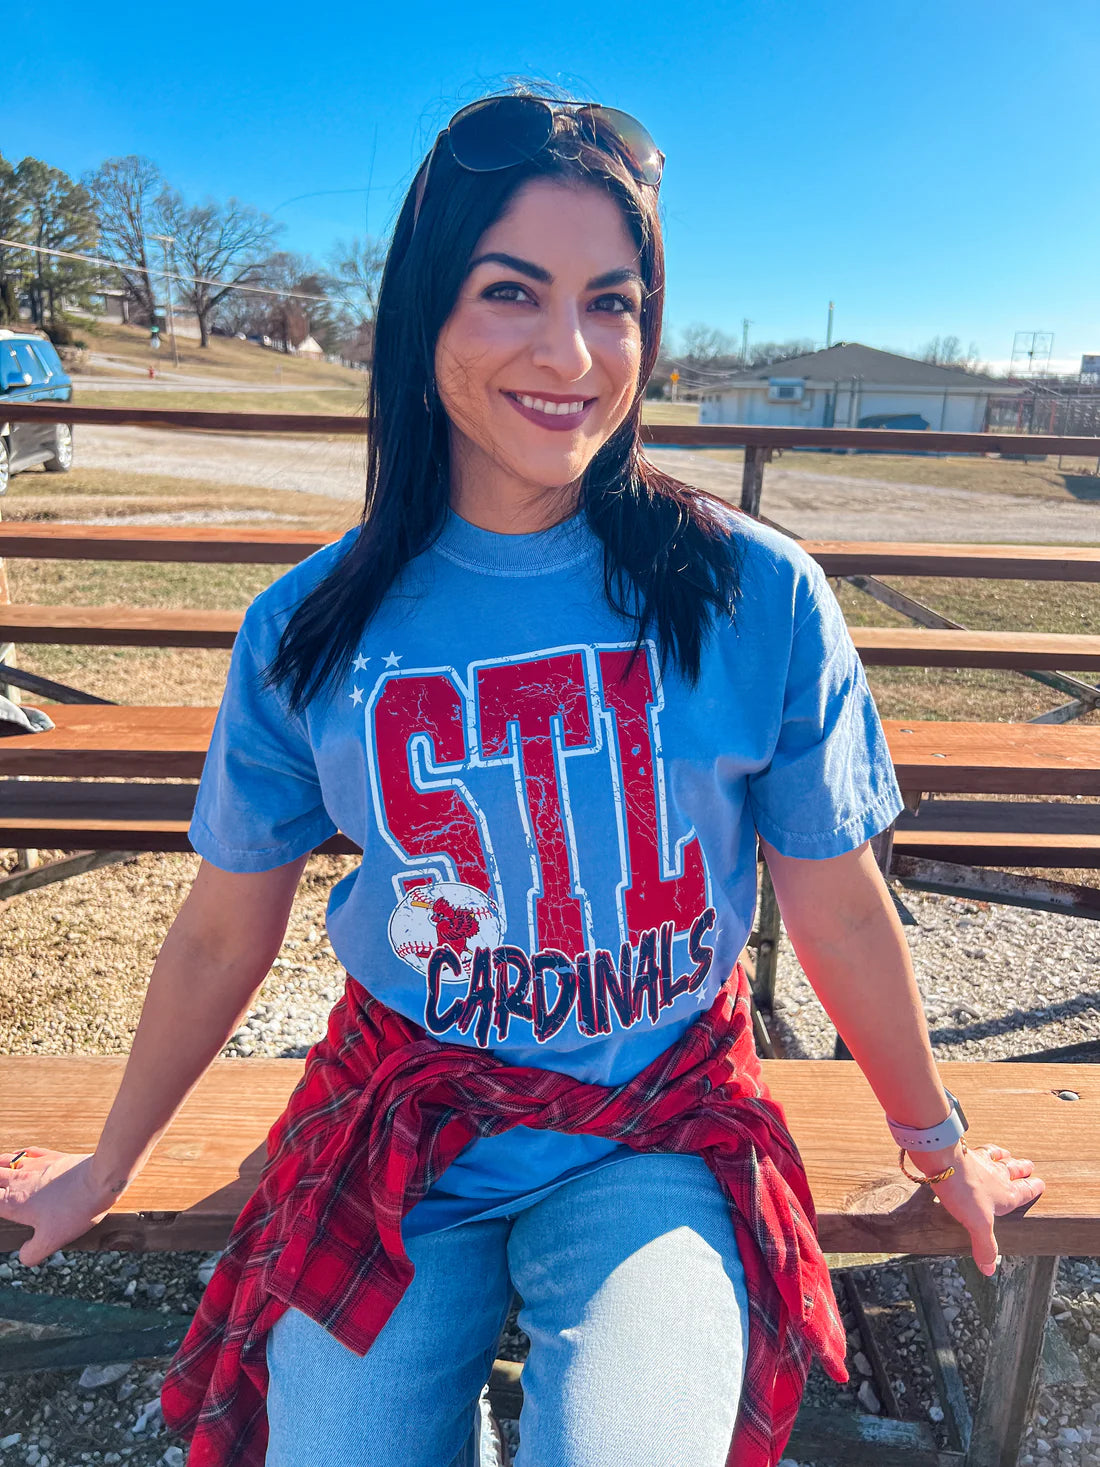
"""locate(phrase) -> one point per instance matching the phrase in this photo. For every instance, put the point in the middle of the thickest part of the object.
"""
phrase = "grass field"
(1076, 480)
(345, 401)
(224, 358)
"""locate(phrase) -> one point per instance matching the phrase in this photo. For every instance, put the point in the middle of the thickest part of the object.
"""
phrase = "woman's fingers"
(1020, 1193)
(984, 1248)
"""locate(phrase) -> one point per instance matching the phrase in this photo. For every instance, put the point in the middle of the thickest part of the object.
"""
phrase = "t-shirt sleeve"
(259, 802)
(830, 784)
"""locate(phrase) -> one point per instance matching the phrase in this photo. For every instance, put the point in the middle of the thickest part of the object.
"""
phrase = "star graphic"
(356, 697)
(361, 662)
(392, 660)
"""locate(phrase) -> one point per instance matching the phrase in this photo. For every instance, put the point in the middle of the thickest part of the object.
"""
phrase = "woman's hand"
(988, 1183)
(53, 1193)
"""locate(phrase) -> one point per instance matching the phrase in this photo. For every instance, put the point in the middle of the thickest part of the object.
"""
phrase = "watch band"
(931, 1138)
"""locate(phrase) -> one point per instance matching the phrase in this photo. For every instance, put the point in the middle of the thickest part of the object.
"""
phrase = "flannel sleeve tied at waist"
(381, 1111)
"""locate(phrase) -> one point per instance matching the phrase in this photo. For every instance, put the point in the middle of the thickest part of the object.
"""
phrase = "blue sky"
(929, 166)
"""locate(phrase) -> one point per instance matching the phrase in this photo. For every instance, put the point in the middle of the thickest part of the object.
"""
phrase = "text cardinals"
(505, 984)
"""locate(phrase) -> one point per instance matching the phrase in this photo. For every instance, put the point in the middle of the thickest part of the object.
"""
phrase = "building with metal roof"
(853, 386)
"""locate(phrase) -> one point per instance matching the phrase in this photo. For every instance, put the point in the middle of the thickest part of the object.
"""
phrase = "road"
(816, 506)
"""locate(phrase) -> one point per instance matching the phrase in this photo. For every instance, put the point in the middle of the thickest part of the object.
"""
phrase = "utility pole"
(745, 324)
(829, 332)
(165, 241)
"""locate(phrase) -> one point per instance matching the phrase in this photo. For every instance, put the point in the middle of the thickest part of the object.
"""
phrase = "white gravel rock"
(868, 1399)
(101, 1375)
(149, 1415)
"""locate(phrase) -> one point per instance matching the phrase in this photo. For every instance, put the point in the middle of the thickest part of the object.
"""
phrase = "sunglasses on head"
(499, 132)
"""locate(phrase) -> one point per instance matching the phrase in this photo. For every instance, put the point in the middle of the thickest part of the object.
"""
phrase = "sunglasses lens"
(639, 150)
(499, 131)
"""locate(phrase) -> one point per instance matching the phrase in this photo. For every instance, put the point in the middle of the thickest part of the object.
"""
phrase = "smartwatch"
(932, 1138)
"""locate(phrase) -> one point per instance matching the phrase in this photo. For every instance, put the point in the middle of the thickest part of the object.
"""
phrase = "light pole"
(165, 241)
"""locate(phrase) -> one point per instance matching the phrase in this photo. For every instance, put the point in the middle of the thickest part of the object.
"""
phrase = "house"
(310, 349)
(853, 386)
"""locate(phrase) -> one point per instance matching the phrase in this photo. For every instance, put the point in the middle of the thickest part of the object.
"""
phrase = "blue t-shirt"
(559, 848)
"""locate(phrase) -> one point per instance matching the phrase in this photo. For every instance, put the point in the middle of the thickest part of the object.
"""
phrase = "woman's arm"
(213, 960)
(847, 936)
(215, 956)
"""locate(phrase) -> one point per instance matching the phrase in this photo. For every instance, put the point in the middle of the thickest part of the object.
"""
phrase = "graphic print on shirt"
(431, 735)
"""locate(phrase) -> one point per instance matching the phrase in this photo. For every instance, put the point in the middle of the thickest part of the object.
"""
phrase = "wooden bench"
(65, 805)
(209, 1160)
(128, 626)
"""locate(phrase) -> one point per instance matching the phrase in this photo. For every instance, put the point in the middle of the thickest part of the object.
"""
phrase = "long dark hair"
(670, 563)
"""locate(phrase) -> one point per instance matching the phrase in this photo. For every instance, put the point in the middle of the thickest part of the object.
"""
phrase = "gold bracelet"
(927, 1181)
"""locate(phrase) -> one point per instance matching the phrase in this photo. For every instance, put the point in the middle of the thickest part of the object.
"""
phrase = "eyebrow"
(621, 276)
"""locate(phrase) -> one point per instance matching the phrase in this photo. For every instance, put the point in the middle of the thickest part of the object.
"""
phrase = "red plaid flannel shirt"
(381, 1111)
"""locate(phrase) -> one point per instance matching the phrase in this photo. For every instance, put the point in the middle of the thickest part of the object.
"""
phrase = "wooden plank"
(130, 742)
(207, 543)
(875, 1440)
(160, 742)
(193, 420)
(941, 1351)
(1018, 818)
(1012, 1364)
(971, 848)
(995, 562)
(127, 626)
(209, 1160)
(995, 759)
(917, 647)
(1002, 833)
(107, 815)
(872, 440)
(197, 543)
(119, 626)
(73, 1352)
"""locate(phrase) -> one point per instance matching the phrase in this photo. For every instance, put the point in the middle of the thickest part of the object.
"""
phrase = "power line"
(293, 295)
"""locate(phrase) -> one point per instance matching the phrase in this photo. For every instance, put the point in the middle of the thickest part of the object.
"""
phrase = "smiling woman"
(560, 700)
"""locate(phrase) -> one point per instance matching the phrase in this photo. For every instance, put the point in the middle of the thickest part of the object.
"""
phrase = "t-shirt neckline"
(536, 553)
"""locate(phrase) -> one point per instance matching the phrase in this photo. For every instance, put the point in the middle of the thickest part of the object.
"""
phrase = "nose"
(560, 346)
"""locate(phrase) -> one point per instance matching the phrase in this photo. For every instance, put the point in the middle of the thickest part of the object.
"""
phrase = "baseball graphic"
(443, 914)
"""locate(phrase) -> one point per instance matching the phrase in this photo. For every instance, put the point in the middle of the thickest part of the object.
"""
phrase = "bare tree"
(946, 351)
(701, 344)
(356, 275)
(226, 243)
(126, 193)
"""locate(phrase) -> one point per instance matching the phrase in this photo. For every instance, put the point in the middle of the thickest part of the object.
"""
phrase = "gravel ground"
(816, 506)
(72, 978)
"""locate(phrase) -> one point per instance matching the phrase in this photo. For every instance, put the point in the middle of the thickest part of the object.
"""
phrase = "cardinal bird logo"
(443, 914)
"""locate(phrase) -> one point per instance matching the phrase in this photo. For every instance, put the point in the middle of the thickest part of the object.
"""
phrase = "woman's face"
(538, 362)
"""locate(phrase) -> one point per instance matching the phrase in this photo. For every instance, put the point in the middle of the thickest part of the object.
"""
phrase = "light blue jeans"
(635, 1303)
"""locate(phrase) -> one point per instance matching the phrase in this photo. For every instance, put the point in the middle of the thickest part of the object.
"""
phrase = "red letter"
(427, 824)
(651, 899)
(528, 697)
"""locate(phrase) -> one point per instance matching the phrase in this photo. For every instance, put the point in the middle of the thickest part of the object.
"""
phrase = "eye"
(616, 305)
(502, 291)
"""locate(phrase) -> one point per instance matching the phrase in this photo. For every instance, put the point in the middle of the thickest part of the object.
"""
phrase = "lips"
(558, 414)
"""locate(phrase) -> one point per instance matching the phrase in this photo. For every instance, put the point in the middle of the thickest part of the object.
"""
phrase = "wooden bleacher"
(206, 1165)
(127, 626)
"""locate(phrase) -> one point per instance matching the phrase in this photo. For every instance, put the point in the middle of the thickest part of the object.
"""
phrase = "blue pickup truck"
(31, 371)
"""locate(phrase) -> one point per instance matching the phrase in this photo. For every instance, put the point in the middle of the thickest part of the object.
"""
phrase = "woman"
(557, 696)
